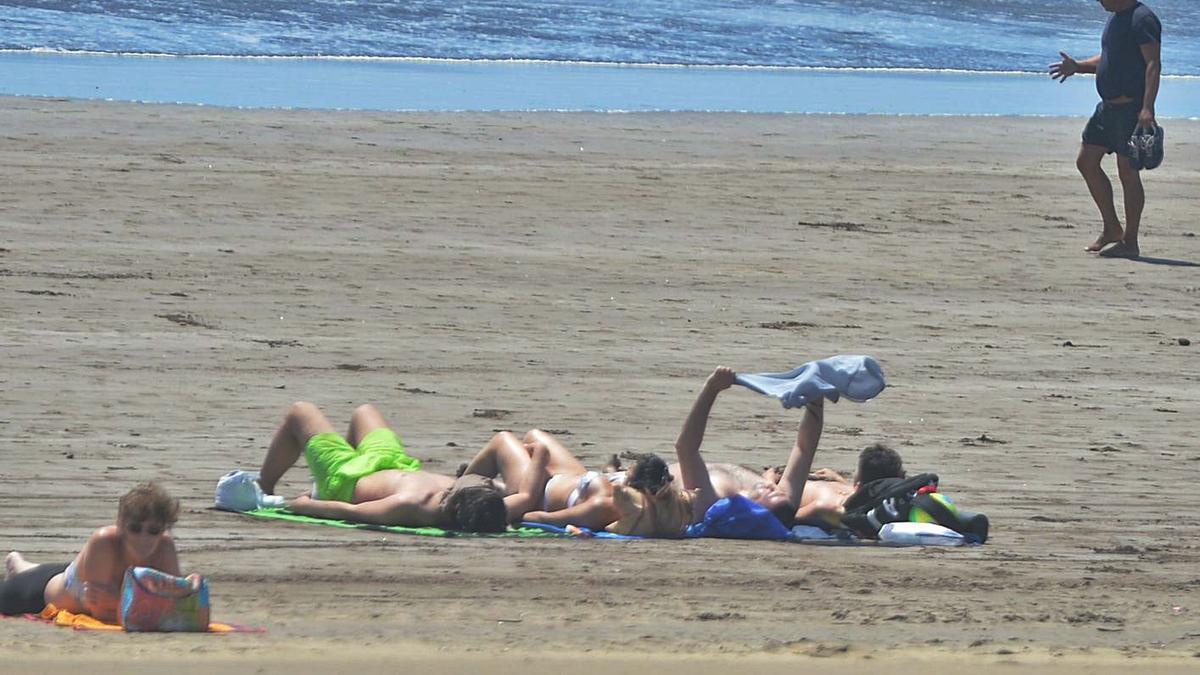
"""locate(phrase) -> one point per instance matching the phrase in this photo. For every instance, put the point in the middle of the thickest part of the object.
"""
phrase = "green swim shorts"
(336, 467)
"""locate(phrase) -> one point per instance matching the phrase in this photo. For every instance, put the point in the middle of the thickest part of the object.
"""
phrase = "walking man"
(1127, 77)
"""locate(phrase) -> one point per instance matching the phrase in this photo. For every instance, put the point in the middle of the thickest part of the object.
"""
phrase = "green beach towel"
(284, 514)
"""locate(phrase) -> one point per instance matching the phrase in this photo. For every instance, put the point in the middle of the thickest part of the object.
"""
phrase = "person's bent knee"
(1087, 165)
(504, 437)
(535, 435)
(367, 409)
(301, 410)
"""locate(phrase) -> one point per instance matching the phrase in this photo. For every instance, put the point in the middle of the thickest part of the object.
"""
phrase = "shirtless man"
(827, 491)
(792, 497)
(367, 477)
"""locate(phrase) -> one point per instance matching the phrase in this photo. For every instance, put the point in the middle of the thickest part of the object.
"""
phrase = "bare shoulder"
(109, 535)
(101, 549)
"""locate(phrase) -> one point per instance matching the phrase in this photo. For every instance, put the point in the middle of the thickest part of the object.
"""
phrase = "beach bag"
(917, 500)
(156, 601)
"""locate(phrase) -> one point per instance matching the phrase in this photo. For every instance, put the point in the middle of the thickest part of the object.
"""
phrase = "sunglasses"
(152, 530)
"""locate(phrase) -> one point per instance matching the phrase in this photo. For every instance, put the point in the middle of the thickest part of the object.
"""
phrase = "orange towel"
(61, 617)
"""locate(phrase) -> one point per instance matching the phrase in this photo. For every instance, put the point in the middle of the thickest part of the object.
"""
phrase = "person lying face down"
(90, 584)
(786, 492)
(633, 501)
(367, 477)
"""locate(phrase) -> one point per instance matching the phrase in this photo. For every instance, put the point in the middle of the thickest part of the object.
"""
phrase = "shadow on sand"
(1163, 261)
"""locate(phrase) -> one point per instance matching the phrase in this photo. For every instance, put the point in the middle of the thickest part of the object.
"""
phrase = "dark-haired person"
(1128, 70)
(367, 477)
(572, 495)
(90, 583)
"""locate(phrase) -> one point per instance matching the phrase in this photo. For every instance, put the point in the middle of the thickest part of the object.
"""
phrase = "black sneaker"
(1146, 149)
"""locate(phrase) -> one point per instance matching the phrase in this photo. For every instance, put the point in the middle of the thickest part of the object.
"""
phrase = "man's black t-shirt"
(1122, 68)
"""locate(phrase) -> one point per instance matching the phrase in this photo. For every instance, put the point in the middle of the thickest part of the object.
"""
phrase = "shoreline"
(429, 85)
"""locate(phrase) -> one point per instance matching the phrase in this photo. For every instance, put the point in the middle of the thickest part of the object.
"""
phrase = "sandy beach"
(171, 278)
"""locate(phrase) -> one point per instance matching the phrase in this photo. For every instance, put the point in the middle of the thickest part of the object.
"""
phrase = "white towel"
(919, 534)
(858, 378)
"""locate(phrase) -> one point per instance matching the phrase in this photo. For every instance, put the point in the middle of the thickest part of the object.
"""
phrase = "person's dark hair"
(879, 461)
(786, 513)
(649, 472)
(477, 508)
(148, 503)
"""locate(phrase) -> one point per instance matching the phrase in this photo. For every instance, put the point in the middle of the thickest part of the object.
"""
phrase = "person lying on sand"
(572, 494)
(90, 583)
(827, 491)
(368, 478)
(787, 493)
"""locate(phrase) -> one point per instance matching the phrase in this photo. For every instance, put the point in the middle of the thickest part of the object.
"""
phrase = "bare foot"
(15, 563)
(1104, 240)
(1121, 250)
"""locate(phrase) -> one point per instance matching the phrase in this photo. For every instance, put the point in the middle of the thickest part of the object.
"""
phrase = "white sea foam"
(549, 62)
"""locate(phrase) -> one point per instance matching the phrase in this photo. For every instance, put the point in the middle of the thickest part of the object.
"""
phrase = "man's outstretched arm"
(799, 463)
(687, 447)
(1068, 66)
(387, 511)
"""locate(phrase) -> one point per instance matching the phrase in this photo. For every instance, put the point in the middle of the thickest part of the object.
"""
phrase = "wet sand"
(174, 277)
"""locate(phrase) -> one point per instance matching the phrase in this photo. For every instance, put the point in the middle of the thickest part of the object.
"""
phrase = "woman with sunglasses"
(90, 584)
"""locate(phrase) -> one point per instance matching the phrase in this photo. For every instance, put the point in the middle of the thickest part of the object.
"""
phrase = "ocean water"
(50, 47)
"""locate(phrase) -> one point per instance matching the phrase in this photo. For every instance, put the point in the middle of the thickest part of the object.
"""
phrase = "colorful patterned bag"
(156, 601)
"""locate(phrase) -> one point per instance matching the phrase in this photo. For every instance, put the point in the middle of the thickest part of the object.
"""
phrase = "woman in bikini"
(573, 495)
(90, 583)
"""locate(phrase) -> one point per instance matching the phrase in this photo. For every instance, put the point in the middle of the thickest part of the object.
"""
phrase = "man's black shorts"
(1112, 125)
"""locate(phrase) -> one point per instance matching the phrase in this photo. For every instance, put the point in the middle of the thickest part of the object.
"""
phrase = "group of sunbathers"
(367, 477)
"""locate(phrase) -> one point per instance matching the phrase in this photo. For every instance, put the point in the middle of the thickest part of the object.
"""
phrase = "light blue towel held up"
(858, 378)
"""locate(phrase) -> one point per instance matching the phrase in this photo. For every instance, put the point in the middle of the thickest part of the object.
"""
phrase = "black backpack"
(890, 500)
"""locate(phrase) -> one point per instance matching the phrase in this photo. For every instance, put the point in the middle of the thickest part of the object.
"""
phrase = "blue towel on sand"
(858, 378)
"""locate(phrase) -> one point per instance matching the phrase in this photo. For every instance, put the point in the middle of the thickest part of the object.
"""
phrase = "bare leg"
(1135, 201)
(366, 418)
(1098, 184)
(561, 459)
(15, 563)
(504, 456)
(302, 422)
